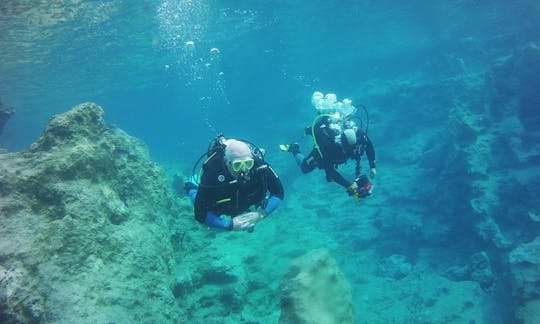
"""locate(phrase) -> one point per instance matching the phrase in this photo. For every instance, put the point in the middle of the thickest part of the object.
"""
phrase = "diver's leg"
(309, 163)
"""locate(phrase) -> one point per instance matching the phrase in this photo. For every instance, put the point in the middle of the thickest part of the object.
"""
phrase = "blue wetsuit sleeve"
(272, 203)
(215, 221)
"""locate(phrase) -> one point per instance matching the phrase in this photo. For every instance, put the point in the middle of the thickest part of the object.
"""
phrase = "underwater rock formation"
(507, 148)
(85, 220)
(525, 270)
(481, 272)
(5, 114)
(315, 291)
(395, 267)
(482, 165)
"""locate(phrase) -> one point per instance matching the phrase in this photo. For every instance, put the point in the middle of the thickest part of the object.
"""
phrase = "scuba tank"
(340, 115)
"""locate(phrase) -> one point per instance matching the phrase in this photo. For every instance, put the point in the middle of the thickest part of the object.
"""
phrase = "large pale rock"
(314, 290)
(85, 227)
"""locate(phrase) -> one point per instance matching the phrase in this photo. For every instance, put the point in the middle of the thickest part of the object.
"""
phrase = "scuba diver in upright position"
(235, 180)
(337, 139)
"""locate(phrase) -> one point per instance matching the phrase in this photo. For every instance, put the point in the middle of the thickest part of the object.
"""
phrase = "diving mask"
(242, 165)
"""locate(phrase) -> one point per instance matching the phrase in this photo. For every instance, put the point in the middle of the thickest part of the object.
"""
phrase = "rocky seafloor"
(91, 232)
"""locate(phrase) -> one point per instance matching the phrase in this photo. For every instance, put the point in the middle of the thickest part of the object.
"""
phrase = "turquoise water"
(133, 59)
(451, 88)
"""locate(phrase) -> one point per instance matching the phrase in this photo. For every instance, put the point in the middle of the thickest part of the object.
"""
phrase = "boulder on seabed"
(314, 290)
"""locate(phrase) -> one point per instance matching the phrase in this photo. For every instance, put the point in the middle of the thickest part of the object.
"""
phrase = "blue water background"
(135, 59)
(134, 62)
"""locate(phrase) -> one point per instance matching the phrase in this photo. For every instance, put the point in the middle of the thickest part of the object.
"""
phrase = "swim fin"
(293, 148)
(284, 147)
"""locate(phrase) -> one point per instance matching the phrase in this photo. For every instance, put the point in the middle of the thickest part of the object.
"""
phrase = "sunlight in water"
(184, 25)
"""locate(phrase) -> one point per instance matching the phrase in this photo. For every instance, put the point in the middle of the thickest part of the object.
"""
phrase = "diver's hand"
(372, 173)
(246, 221)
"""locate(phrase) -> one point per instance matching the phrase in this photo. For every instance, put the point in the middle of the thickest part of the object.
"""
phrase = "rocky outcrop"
(506, 148)
(85, 227)
(5, 114)
(525, 270)
(394, 267)
(482, 165)
(314, 290)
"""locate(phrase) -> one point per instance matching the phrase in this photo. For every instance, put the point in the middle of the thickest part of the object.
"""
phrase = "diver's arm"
(370, 153)
(207, 217)
(334, 175)
(215, 221)
(275, 187)
(212, 220)
(241, 222)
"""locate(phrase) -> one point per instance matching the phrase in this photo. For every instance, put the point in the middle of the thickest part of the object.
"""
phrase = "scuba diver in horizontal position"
(337, 139)
(235, 180)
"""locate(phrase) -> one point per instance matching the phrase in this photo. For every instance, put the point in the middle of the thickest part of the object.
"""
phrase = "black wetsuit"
(219, 193)
(334, 154)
